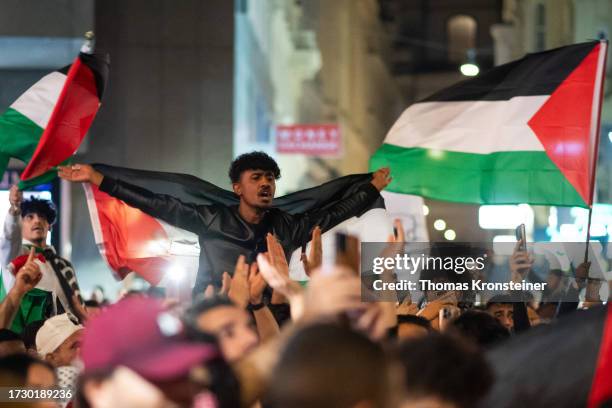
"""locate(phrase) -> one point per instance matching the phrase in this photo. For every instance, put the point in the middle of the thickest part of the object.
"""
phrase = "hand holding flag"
(79, 173)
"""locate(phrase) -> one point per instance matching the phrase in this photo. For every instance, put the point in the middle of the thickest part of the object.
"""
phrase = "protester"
(480, 328)
(151, 363)
(26, 227)
(442, 371)
(10, 343)
(244, 228)
(330, 366)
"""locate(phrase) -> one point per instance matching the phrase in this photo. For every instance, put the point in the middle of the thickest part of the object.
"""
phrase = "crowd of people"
(253, 337)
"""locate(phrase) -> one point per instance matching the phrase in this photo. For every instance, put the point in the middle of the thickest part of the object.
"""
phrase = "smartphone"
(521, 236)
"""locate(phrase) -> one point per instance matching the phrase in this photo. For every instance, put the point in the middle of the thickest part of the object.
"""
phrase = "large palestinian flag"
(523, 132)
(565, 364)
(130, 240)
(46, 124)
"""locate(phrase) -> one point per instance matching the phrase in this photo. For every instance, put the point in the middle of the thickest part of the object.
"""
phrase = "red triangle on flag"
(563, 124)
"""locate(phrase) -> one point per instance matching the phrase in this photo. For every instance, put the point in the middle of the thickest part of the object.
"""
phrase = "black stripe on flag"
(535, 74)
(193, 190)
(99, 64)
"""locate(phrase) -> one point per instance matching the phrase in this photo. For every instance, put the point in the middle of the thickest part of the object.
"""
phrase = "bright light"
(425, 210)
(450, 235)
(504, 238)
(610, 136)
(439, 225)
(505, 216)
(469, 69)
(435, 154)
(175, 273)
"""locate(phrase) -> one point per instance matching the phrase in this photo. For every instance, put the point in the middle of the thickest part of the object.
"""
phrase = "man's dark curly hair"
(44, 208)
(252, 161)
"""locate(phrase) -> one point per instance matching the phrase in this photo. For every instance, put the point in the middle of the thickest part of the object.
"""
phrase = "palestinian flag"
(523, 132)
(130, 240)
(46, 125)
(565, 364)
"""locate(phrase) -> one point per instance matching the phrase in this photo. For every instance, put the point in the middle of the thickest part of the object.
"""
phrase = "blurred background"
(315, 83)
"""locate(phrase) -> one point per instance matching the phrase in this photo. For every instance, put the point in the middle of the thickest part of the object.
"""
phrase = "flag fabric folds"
(565, 364)
(523, 132)
(130, 240)
(47, 123)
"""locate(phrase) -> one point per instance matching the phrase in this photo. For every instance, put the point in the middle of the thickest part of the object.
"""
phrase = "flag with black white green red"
(47, 123)
(523, 132)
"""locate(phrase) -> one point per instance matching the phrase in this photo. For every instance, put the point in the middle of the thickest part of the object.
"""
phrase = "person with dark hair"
(10, 343)
(226, 232)
(231, 325)
(501, 307)
(27, 371)
(443, 371)
(411, 326)
(479, 327)
(26, 227)
(29, 336)
(325, 365)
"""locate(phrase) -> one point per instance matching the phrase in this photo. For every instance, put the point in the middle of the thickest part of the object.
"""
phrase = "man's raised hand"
(381, 178)
(28, 275)
(15, 198)
(80, 173)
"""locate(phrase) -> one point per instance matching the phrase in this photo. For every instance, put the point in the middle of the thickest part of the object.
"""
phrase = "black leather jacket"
(224, 235)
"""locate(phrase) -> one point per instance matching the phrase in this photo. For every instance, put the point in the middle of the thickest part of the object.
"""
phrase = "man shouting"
(226, 232)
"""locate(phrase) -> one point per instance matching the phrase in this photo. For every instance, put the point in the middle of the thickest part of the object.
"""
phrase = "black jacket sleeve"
(330, 217)
(189, 217)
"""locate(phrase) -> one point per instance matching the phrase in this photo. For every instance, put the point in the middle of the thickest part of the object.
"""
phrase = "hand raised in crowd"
(276, 256)
(28, 275)
(80, 173)
(520, 263)
(381, 178)
(237, 287)
(282, 285)
(315, 256)
(257, 284)
(15, 199)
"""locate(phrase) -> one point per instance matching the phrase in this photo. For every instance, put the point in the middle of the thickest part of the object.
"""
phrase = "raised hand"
(520, 263)
(238, 290)
(15, 198)
(282, 285)
(381, 178)
(80, 173)
(257, 284)
(28, 275)
(315, 256)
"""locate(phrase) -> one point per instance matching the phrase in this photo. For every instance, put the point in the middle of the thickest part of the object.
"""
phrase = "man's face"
(504, 313)
(233, 328)
(68, 351)
(256, 188)
(34, 228)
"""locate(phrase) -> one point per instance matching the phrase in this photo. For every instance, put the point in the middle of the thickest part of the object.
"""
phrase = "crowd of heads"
(259, 338)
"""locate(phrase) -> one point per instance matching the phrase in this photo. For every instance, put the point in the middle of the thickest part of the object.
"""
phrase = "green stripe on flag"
(19, 136)
(495, 178)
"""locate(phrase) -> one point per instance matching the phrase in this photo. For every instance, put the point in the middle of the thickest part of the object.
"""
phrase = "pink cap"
(139, 334)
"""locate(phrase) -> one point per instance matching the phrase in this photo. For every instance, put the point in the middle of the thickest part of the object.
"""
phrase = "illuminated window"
(461, 31)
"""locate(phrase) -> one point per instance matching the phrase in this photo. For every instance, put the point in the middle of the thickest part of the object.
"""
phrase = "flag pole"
(603, 52)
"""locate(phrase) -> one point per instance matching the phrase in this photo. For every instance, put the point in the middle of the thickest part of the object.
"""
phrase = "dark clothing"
(224, 235)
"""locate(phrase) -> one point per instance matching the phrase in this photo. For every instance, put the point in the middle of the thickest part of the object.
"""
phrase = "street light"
(469, 68)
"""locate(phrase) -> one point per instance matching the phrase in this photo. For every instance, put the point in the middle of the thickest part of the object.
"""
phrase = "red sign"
(314, 140)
